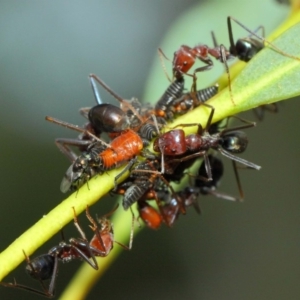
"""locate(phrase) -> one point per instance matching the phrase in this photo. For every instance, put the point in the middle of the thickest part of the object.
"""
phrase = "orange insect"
(122, 149)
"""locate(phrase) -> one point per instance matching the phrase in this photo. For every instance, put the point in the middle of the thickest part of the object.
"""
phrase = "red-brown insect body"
(171, 143)
(105, 244)
(184, 59)
(149, 215)
(195, 142)
(175, 142)
(123, 148)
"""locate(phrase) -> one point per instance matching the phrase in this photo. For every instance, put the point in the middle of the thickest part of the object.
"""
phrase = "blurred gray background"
(231, 251)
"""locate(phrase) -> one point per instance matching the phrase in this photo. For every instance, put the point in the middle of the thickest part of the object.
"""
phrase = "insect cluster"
(122, 136)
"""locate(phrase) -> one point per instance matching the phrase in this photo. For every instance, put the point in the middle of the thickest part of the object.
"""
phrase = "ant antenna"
(162, 55)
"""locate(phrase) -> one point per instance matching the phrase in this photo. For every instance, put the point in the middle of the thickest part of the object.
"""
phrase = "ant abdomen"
(235, 141)
(246, 49)
(108, 118)
(41, 267)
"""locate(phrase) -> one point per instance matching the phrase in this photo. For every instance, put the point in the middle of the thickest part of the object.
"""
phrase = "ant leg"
(238, 159)
(162, 154)
(195, 155)
(209, 65)
(127, 167)
(214, 39)
(200, 128)
(77, 244)
(226, 196)
(129, 247)
(26, 288)
(76, 128)
(64, 143)
(95, 228)
(95, 90)
(249, 124)
(224, 57)
(209, 120)
(260, 27)
(84, 111)
(53, 278)
(238, 181)
(169, 221)
(78, 227)
(224, 60)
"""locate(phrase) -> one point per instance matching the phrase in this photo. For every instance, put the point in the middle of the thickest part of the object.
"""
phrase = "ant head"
(184, 59)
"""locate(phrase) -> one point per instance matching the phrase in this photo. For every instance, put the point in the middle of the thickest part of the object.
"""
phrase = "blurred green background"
(231, 251)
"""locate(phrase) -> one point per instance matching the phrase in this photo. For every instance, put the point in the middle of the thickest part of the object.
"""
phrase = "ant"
(244, 49)
(45, 267)
(228, 142)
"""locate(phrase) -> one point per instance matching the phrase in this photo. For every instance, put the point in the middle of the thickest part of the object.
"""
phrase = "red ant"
(227, 142)
(45, 267)
(244, 49)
